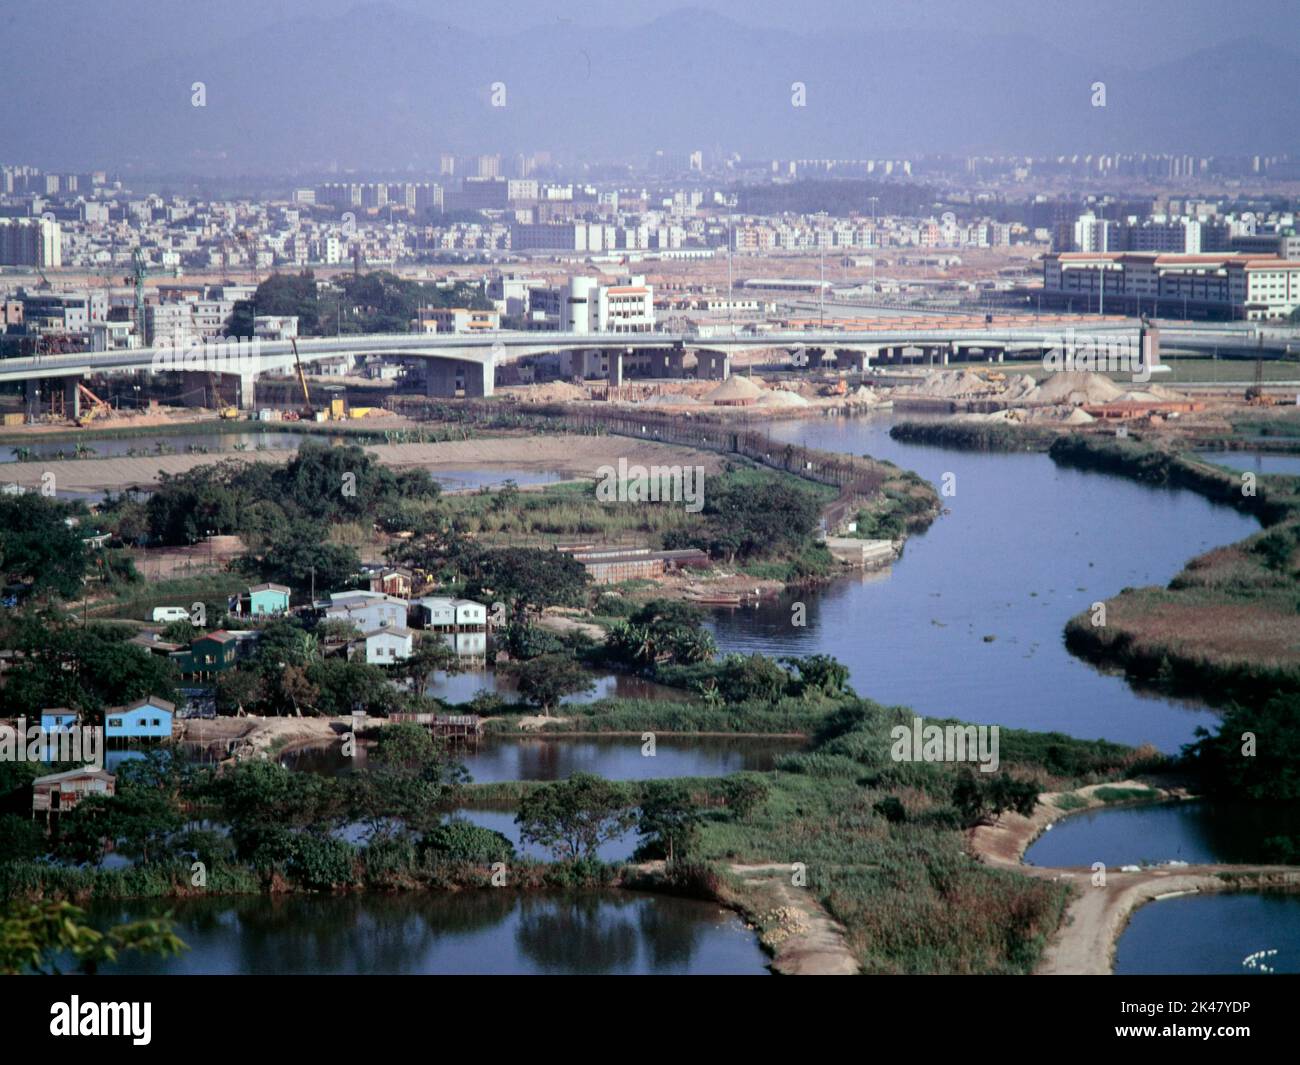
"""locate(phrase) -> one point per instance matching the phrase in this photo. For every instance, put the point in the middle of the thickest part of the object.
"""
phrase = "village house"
(213, 653)
(261, 600)
(60, 719)
(149, 718)
(367, 611)
(446, 614)
(391, 580)
(60, 792)
(382, 647)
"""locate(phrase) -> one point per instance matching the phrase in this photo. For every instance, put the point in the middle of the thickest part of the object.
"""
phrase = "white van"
(170, 613)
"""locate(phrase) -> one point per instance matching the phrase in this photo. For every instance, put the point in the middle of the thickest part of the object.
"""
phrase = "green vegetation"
(1110, 795)
(377, 302)
(34, 935)
(976, 436)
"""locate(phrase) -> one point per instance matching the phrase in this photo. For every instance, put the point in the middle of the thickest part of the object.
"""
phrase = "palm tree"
(22, 454)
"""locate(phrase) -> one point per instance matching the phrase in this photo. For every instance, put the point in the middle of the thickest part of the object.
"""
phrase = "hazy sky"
(305, 83)
(1138, 32)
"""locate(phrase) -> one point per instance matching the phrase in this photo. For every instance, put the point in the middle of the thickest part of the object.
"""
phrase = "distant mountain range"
(378, 87)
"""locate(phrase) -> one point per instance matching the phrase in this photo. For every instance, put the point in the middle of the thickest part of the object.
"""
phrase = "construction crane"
(308, 411)
(139, 271)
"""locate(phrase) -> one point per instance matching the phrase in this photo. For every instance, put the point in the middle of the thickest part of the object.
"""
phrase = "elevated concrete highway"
(467, 362)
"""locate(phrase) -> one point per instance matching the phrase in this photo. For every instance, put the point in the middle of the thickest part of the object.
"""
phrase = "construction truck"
(229, 413)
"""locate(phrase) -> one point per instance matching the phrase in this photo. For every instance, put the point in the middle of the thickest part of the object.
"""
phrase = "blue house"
(58, 719)
(261, 600)
(146, 719)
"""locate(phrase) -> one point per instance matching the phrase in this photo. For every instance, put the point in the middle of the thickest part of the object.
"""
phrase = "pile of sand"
(1018, 386)
(1074, 387)
(734, 389)
(781, 399)
(950, 384)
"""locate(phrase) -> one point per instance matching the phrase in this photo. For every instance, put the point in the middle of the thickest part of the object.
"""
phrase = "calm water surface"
(1205, 935)
(470, 932)
(1027, 544)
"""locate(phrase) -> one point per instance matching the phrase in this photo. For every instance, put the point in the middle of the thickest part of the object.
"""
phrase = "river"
(1027, 544)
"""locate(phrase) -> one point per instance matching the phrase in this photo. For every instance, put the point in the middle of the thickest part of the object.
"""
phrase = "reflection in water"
(556, 758)
(1180, 831)
(462, 687)
(490, 931)
(1254, 461)
(1026, 546)
(1204, 935)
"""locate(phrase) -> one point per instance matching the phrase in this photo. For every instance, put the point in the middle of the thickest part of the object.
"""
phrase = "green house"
(268, 599)
(208, 655)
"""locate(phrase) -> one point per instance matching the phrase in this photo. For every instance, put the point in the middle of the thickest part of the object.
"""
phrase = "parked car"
(170, 613)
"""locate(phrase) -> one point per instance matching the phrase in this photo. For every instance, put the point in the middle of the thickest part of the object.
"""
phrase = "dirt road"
(1100, 910)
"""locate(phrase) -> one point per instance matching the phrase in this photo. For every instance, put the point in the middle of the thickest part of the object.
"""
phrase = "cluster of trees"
(1254, 755)
(85, 668)
(375, 302)
(38, 546)
(756, 678)
(744, 520)
(290, 674)
(663, 630)
(279, 822)
(574, 818)
(263, 502)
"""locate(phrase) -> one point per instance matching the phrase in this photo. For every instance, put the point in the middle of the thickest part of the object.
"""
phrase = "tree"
(1271, 769)
(461, 841)
(33, 935)
(546, 680)
(302, 556)
(37, 545)
(407, 779)
(820, 673)
(529, 578)
(431, 655)
(745, 678)
(86, 668)
(574, 817)
(744, 793)
(669, 820)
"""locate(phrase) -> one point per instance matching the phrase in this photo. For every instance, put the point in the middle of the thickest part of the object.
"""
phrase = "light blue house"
(58, 720)
(146, 719)
(261, 600)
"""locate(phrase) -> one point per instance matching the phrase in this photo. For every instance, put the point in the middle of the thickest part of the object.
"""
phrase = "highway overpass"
(467, 362)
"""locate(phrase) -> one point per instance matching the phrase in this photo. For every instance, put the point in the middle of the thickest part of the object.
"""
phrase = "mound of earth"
(1074, 387)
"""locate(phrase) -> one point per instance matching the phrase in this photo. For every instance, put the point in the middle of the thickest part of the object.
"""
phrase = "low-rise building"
(60, 792)
(448, 614)
(382, 647)
(149, 718)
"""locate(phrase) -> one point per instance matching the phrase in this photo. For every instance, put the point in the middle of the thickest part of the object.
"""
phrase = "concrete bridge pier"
(444, 377)
(667, 362)
(615, 372)
(815, 357)
(71, 398)
(852, 360)
(712, 365)
(247, 390)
